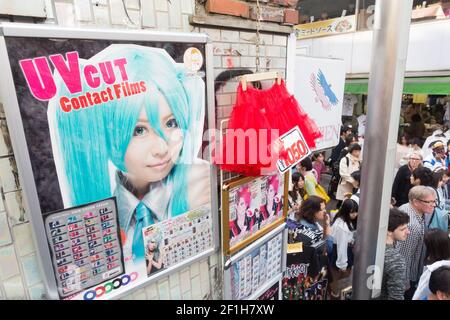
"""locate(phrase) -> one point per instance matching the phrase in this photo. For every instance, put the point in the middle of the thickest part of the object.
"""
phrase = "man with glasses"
(422, 200)
(437, 158)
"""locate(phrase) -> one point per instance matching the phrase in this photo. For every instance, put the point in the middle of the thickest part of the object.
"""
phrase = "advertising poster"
(319, 89)
(255, 269)
(119, 120)
(306, 274)
(273, 293)
(254, 205)
(326, 27)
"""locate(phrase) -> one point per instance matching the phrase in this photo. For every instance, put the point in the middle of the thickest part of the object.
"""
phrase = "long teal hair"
(90, 143)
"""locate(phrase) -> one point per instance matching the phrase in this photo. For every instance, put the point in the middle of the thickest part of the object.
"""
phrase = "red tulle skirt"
(258, 118)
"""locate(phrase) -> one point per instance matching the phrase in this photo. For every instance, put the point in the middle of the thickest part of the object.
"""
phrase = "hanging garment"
(259, 118)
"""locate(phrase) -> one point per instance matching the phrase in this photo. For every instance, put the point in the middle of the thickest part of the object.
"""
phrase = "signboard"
(107, 132)
(326, 27)
(251, 208)
(319, 89)
(85, 246)
(294, 149)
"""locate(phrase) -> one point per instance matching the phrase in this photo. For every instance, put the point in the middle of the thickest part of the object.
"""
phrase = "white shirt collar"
(157, 200)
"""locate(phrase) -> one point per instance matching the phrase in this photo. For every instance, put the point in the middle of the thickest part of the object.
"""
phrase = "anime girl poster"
(114, 119)
(253, 205)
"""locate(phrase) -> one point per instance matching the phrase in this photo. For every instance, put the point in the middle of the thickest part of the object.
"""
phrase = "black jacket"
(402, 185)
(337, 151)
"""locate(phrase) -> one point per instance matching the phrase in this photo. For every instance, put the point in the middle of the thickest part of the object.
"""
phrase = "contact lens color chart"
(255, 269)
(182, 237)
(85, 246)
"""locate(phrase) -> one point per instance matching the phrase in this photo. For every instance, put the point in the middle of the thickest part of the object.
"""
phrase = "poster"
(254, 270)
(116, 119)
(319, 89)
(326, 27)
(273, 293)
(254, 206)
(85, 246)
(306, 274)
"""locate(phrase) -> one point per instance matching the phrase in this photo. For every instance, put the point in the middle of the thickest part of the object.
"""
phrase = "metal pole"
(389, 52)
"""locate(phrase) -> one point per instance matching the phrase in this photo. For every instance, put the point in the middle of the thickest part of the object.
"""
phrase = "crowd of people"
(417, 254)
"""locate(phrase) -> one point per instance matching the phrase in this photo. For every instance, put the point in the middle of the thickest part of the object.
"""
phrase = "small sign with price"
(293, 149)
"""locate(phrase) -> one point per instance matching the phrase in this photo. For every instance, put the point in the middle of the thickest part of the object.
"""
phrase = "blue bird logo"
(323, 91)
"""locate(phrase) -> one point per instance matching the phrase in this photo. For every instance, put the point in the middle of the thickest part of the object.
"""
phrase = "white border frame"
(227, 265)
(8, 97)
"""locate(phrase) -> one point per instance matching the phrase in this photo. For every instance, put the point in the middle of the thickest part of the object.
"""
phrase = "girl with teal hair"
(142, 148)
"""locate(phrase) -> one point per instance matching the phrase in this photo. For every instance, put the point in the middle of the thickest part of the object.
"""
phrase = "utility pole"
(388, 61)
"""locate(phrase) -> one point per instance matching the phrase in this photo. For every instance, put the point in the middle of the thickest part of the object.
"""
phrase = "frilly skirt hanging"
(258, 118)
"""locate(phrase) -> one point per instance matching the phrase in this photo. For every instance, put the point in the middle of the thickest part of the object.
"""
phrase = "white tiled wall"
(19, 276)
(19, 273)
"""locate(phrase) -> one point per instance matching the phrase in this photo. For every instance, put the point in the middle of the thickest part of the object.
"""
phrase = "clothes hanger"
(258, 77)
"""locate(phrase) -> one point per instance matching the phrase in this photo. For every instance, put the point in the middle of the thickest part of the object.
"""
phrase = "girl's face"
(414, 182)
(353, 215)
(320, 158)
(149, 157)
(320, 215)
(242, 206)
(301, 183)
(270, 192)
(404, 141)
(151, 246)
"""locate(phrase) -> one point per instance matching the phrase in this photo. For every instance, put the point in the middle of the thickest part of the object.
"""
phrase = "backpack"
(439, 218)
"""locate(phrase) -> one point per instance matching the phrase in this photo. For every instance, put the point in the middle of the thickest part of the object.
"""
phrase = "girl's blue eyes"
(142, 130)
(172, 123)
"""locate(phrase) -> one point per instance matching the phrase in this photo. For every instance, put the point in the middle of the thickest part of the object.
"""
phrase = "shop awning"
(427, 85)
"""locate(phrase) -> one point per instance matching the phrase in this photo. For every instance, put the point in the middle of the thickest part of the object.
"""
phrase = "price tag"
(295, 247)
(292, 149)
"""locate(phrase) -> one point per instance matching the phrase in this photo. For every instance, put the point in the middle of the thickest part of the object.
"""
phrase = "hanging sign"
(326, 27)
(319, 89)
(293, 149)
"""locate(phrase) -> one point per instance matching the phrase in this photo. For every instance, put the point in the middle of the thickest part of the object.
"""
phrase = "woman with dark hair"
(306, 168)
(319, 165)
(311, 221)
(422, 177)
(437, 243)
(349, 164)
(402, 151)
(342, 231)
(297, 193)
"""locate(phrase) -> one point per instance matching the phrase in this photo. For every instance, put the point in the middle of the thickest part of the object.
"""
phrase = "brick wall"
(19, 273)
(236, 50)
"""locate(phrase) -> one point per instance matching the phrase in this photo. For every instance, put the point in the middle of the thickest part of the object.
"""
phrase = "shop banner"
(326, 27)
(114, 134)
(319, 89)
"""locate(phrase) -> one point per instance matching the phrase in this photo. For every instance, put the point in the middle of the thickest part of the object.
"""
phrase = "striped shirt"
(393, 285)
(413, 248)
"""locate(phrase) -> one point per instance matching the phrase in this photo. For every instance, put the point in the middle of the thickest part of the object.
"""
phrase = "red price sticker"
(293, 149)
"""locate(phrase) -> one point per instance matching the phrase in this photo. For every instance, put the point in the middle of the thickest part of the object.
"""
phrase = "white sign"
(319, 89)
(294, 149)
